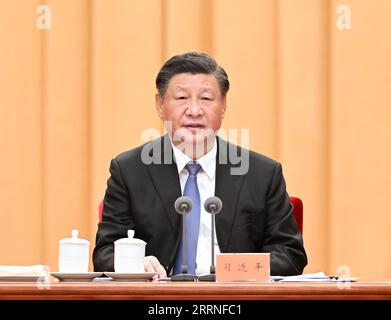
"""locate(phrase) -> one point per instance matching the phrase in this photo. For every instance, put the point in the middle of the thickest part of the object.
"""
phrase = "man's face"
(192, 108)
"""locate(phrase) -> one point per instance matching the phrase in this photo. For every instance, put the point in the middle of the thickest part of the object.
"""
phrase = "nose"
(194, 109)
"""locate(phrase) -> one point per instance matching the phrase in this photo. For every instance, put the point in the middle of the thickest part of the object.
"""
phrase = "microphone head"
(213, 205)
(183, 205)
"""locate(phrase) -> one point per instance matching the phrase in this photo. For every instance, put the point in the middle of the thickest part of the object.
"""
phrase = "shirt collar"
(207, 161)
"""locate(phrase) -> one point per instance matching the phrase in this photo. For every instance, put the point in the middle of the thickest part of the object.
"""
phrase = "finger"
(158, 268)
(161, 272)
(155, 277)
(148, 267)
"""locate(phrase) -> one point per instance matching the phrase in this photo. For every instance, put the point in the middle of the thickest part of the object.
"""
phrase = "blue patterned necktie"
(192, 222)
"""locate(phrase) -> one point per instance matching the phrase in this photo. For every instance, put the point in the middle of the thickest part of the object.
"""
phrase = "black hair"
(194, 63)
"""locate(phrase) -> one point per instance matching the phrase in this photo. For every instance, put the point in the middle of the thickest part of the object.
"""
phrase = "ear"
(224, 106)
(159, 105)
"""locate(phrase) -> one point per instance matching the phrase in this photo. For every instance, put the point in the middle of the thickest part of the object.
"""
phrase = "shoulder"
(240, 156)
(262, 160)
(135, 155)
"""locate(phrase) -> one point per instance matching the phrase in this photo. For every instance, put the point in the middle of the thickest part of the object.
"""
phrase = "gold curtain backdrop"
(314, 96)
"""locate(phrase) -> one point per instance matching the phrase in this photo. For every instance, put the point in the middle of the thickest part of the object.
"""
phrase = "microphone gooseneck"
(212, 205)
(183, 205)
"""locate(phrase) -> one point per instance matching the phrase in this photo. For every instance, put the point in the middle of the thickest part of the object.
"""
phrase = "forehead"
(188, 81)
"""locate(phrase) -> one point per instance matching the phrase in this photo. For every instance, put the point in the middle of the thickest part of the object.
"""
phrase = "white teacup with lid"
(129, 254)
(73, 254)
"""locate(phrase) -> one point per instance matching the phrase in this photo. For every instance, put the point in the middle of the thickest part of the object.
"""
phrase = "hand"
(152, 264)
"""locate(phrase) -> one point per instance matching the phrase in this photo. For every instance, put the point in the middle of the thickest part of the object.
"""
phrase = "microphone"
(183, 206)
(213, 205)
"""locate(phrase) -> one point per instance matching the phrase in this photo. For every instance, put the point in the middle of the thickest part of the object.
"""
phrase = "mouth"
(193, 127)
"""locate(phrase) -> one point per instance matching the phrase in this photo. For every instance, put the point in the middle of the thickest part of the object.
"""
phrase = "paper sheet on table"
(309, 277)
(36, 270)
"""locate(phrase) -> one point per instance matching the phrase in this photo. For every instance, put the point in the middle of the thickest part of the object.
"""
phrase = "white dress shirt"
(206, 186)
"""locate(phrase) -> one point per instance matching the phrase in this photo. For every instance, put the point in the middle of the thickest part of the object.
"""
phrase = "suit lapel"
(166, 181)
(227, 188)
(165, 178)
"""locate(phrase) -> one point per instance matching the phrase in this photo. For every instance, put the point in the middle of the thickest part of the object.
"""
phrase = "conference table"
(111, 290)
(194, 300)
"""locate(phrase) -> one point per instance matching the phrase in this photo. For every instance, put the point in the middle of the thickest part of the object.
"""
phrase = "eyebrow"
(185, 89)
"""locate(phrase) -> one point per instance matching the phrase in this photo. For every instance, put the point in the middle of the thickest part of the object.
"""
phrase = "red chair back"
(298, 212)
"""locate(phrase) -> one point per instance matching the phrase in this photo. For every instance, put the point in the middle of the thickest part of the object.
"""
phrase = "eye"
(206, 99)
(181, 98)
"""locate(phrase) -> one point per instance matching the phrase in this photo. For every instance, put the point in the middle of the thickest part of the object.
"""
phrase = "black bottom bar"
(205, 309)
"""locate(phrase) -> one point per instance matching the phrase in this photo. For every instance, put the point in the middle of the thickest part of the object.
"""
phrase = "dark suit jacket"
(256, 215)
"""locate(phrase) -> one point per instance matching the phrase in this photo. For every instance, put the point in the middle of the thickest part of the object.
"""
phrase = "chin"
(193, 139)
(202, 143)
(190, 139)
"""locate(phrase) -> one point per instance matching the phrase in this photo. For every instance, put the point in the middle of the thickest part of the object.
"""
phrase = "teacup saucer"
(20, 278)
(76, 277)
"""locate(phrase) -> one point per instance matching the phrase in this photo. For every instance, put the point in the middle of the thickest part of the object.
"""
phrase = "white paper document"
(38, 270)
(310, 277)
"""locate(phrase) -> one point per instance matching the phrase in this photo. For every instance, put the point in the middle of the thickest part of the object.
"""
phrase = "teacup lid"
(74, 239)
(130, 239)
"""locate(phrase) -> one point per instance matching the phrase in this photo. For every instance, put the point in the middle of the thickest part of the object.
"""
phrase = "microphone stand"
(211, 277)
(213, 205)
(184, 276)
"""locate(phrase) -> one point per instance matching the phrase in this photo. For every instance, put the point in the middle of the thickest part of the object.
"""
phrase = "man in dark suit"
(146, 181)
